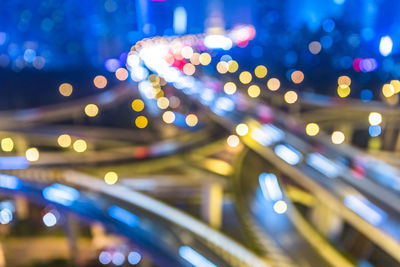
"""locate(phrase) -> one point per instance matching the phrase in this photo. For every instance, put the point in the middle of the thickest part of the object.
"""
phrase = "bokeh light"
(388, 90)
(91, 110)
(337, 137)
(163, 102)
(137, 105)
(242, 129)
(260, 71)
(222, 67)
(64, 140)
(290, 97)
(375, 118)
(230, 88)
(297, 76)
(205, 59)
(343, 91)
(280, 207)
(233, 66)
(189, 69)
(312, 129)
(315, 47)
(254, 91)
(168, 117)
(32, 154)
(233, 140)
(273, 84)
(141, 122)
(65, 89)
(245, 77)
(7, 144)
(191, 120)
(100, 81)
(121, 74)
(111, 177)
(80, 146)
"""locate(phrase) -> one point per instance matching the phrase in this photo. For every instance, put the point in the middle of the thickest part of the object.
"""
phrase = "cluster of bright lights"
(272, 192)
(375, 119)
(118, 258)
(390, 91)
(343, 89)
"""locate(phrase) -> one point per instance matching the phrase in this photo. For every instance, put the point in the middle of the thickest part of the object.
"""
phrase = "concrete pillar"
(21, 207)
(326, 220)
(212, 200)
(347, 130)
(71, 230)
(214, 23)
(397, 144)
(389, 139)
(99, 238)
(20, 145)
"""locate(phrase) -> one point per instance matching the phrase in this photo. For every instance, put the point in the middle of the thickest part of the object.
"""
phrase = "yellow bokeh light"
(137, 105)
(189, 69)
(242, 129)
(91, 110)
(100, 81)
(230, 88)
(254, 91)
(233, 140)
(7, 144)
(111, 178)
(290, 97)
(344, 81)
(222, 67)
(121, 74)
(65, 89)
(375, 118)
(64, 140)
(187, 52)
(80, 145)
(32, 154)
(396, 86)
(343, 91)
(205, 59)
(273, 84)
(163, 102)
(233, 66)
(260, 71)
(245, 77)
(141, 122)
(195, 59)
(154, 79)
(297, 76)
(337, 137)
(393, 100)
(388, 90)
(280, 207)
(168, 117)
(312, 129)
(191, 120)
